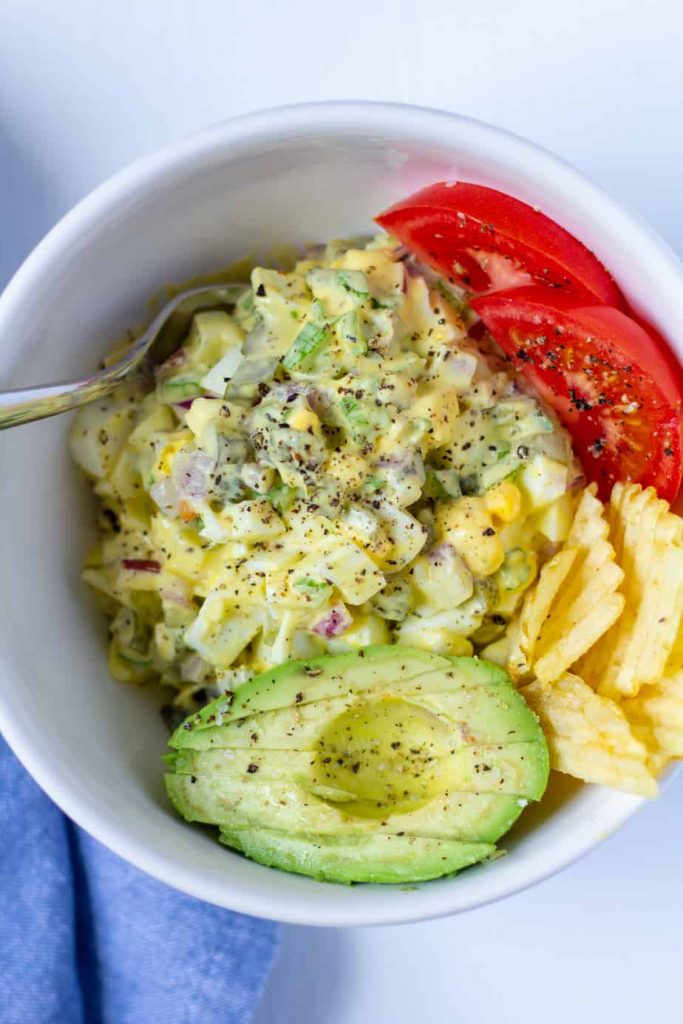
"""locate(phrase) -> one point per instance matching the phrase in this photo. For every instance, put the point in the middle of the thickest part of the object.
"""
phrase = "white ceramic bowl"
(293, 175)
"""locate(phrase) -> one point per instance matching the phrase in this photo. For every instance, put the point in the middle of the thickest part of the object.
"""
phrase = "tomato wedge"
(617, 391)
(488, 241)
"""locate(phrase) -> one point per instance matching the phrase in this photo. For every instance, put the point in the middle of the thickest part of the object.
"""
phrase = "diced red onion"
(187, 402)
(141, 564)
(190, 473)
(411, 268)
(336, 622)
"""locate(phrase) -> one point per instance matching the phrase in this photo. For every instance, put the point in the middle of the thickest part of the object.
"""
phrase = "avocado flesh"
(383, 669)
(483, 713)
(378, 858)
(476, 817)
(302, 682)
(386, 742)
(513, 769)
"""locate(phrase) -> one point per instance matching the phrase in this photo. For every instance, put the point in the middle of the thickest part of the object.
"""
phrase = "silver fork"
(159, 341)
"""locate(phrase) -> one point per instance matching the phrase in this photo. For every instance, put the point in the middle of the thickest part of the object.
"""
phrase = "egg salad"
(329, 463)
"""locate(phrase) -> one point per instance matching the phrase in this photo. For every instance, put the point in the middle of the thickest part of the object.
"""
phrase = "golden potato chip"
(675, 661)
(575, 601)
(536, 609)
(589, 736)
(656, 716)
(596, 653)
(663, 611)
(589, 523)
(647, 540)
(660, 704)
(636, 649)
(603, 768)
(664, 745)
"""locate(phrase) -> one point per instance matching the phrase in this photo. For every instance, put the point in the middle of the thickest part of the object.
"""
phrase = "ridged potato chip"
(675, 661)
(589, 736)
(656, 715)
(536, 610)
(648, 540)
(576, 599)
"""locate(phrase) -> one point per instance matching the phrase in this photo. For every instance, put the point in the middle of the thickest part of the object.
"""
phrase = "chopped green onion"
(353, 411)
(354, 282)
(373, 483)
(314, 588)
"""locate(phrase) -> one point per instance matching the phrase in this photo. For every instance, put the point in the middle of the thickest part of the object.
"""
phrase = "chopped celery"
(354, 413)
(282, 497)
(177, 389)
(457, 302)
(306, 345)
(350, 330)
(373, 483)
(313, 590)
(442, 484)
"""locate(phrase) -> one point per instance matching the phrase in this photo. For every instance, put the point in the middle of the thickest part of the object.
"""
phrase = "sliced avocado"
(347, 859)
(289, 807)
(292, 728)
(386, 741)
(512, 768)
(382, 742)
(485, 714)
(302, 682)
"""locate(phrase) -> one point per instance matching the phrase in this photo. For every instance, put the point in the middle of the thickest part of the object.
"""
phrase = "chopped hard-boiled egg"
(329, 464)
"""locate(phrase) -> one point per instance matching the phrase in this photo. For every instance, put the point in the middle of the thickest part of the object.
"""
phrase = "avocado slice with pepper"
(333, 766)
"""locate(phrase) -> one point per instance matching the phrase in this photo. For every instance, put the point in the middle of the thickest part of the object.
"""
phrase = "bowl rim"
(280, 124)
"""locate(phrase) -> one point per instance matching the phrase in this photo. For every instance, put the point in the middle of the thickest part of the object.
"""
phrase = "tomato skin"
(496, 240)
(616, 390)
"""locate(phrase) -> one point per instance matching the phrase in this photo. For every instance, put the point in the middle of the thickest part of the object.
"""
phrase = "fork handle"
(24, 405)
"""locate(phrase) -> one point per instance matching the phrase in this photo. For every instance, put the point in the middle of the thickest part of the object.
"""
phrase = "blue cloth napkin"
(87, 939)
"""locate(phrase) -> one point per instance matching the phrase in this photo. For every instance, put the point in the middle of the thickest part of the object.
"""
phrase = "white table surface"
(86, 87)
